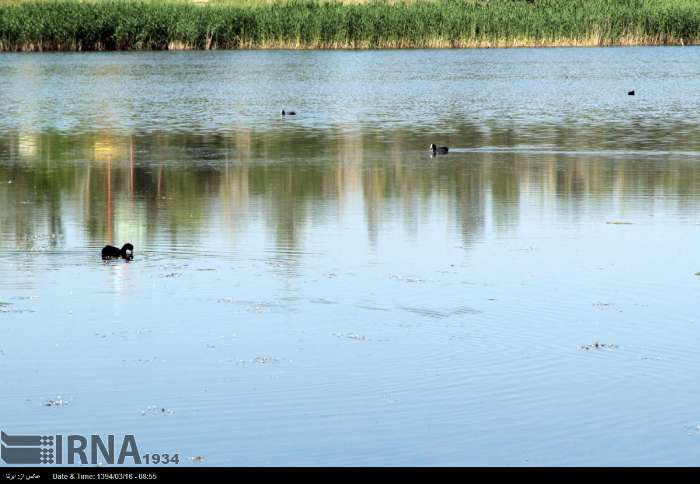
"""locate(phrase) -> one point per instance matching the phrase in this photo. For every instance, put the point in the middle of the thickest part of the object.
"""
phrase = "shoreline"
(398, 46)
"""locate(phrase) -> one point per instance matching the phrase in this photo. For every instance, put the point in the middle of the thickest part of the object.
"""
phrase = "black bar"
(352, 474)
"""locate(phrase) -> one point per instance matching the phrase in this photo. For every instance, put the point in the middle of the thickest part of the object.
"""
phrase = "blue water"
(318, 290)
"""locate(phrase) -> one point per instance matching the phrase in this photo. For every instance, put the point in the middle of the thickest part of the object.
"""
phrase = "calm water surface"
(317, 290)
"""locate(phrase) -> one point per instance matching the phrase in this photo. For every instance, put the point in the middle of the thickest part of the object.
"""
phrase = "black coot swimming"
(438, 150)
(110, 252)
(288, 113)
(630, 93)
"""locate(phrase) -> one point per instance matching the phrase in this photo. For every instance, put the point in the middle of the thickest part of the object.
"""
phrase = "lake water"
(318, 290)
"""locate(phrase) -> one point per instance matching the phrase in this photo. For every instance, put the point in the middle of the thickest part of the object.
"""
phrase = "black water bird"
(110, 252)
(438, 150)
(630, 93)
(288, 113)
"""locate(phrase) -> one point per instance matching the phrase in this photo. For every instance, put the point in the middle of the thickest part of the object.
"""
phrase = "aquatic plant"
(230, 24)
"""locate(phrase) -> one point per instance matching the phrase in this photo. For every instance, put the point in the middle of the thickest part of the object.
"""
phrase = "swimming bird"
(630, 93)
(110, 252)
(288, 113)
(438, 150)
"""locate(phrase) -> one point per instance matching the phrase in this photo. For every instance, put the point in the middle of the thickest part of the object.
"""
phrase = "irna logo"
(68, 449)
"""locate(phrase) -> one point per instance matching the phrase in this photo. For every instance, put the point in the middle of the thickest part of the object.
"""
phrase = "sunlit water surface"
(318, 290)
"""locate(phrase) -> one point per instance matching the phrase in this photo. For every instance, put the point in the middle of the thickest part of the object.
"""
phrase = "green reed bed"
(230, 24)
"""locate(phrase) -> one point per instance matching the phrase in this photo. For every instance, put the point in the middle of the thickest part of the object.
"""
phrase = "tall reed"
(230, 24)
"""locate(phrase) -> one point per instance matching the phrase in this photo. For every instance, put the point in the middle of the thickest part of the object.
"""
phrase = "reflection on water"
(320, 290)
(178, 187)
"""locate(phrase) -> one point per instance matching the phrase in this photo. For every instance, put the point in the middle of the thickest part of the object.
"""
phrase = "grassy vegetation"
(231, 24)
